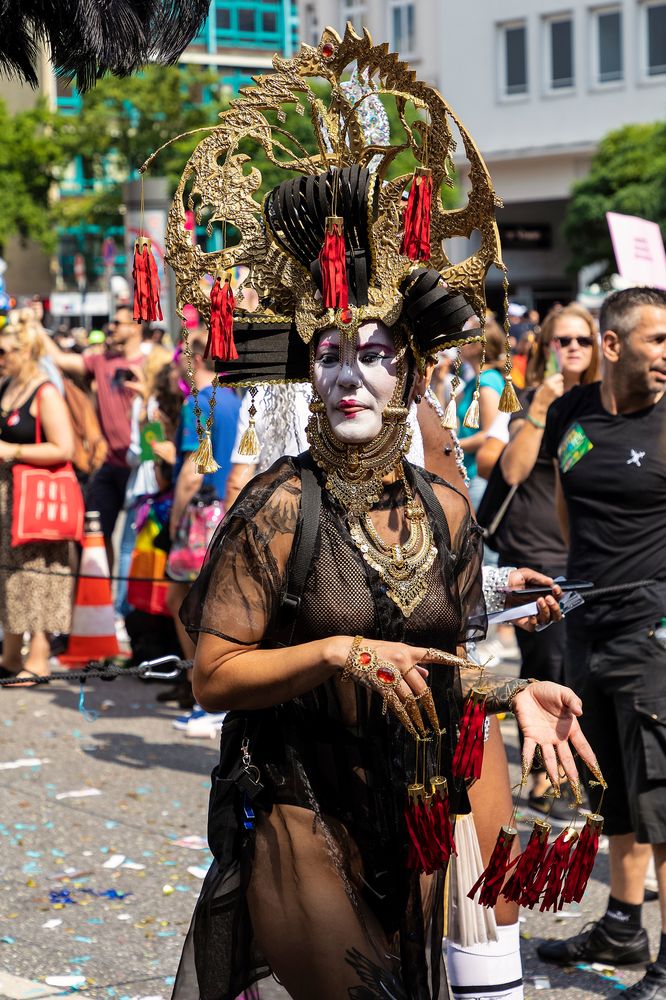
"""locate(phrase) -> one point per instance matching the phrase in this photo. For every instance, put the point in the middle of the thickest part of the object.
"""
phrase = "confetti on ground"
(65, 981)
(197, 872)
(79, 793)
(193, 841)
(114, 861)
(11, 765)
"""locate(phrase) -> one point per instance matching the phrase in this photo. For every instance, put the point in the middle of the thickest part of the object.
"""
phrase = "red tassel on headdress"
(468, 758)
(147, 306)
(419, 828)
(440, 821)
(529, 864)
(551, 876)
(582, 861)
(221, 334)
(500, 863)
(332, 258)
(416, 238)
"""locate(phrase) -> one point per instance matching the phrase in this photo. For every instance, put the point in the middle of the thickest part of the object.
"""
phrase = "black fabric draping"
(330, 841)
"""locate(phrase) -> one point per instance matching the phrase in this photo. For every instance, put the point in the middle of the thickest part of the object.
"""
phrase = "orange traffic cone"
(93, 632)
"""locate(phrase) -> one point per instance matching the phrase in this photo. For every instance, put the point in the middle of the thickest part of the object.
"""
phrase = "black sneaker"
(595, 944)
(651, 987)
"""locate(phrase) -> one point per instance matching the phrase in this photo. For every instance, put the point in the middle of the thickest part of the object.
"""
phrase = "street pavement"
(102, 851)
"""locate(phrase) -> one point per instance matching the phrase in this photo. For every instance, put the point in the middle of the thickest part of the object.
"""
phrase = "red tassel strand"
(582, 860)
(529, 864)
(500, 863)
(416, 238)
(442, 828)
(468, 758)
(332, 258)
(551, 876)
(147, 306)
(221, 334)
(419, 828)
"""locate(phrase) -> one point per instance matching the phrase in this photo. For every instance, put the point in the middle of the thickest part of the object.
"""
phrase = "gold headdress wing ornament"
(337, 219)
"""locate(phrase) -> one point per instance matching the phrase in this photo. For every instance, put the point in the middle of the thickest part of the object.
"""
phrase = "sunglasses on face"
(568, 341)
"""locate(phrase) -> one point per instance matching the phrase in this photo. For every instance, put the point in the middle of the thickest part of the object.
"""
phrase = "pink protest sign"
(639, 249)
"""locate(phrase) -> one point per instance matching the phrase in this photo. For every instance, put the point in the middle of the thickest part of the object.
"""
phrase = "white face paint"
(357, 385)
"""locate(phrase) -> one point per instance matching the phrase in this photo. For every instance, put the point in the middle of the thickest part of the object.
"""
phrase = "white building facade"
(538, 83)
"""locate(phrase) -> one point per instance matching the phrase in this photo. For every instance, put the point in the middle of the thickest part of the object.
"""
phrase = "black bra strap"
(304, 546)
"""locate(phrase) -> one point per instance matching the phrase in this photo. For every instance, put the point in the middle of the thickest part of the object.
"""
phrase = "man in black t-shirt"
(608, 441)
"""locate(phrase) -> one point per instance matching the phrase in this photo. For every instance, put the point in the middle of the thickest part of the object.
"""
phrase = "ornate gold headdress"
(338, 206)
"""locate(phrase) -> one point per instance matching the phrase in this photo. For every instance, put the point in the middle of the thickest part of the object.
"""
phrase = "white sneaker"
(206, 726)
(182, 721)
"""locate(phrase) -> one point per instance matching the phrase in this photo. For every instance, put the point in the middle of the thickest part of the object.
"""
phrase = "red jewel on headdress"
(345, 316)
(328, 50)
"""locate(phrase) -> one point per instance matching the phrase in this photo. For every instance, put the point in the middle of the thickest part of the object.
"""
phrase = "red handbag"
(47, 502)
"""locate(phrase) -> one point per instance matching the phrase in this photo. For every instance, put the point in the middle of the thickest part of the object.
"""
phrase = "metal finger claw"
(400, 713)
(412, 710)
(431, 711)
(451, 660)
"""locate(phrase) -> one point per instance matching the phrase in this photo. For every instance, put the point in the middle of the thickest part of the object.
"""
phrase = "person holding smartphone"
(529, 533)
(607, 440)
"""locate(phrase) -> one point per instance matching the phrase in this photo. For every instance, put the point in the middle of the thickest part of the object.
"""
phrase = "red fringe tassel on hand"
(468, 758)
(518, 888)
(416, 238)
(500, 863)
(440, 817)
(582, 861)
(147, 306)
(419, 828)
(221, 334)
(552, 873)
(333, 261)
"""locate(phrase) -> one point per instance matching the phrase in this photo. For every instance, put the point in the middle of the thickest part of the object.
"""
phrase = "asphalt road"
(96, 876)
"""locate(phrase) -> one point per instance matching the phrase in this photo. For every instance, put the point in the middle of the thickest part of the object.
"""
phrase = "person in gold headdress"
(331, 614)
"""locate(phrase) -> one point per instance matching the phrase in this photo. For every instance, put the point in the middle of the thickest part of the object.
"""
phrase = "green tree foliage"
(31, 158)
(122, 121)
(627, 175)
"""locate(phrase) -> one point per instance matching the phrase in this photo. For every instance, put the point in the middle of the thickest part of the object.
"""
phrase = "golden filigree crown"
(341, 192)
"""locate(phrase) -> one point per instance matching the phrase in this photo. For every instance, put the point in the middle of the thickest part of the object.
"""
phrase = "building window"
(311, 32)
(354, 11)
(513, 59)
(403, 40)
(608, 39)
(249, 23)
(655, 27)
(560, 54)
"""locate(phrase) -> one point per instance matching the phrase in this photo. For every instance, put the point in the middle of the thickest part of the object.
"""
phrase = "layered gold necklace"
(403, 568)
(355, 477)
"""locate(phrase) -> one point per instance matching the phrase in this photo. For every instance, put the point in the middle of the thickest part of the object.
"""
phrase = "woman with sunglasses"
(529, 533)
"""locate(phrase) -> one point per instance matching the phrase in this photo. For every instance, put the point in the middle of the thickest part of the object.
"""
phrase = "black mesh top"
(334, 769)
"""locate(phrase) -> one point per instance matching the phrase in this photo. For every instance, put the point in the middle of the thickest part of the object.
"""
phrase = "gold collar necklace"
(354, 476)
(355, 473)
